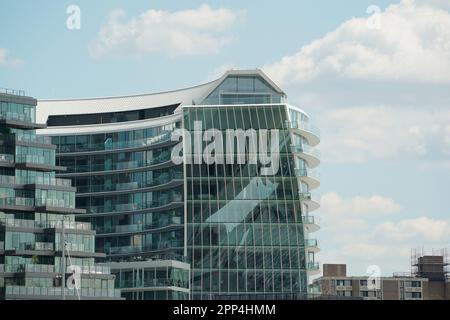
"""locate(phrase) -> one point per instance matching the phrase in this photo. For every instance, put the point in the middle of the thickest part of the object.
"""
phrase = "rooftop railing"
(14, 92)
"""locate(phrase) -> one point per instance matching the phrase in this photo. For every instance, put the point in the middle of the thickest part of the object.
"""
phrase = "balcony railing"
(34, 139)
(14, 92)
(306, 149)
(313, 266)
(57, 292)
(36, 180)
(307, 173)
(302, 125)
(116, 145)
(20, 223)
(138, 227)
(163, 179)
(34, 159)
(153, 283)
(16, 117)
(37, 246)
(311, 243)
(7, 158)
(27, 202)
(168, 244)
(41, 268)
(132, 206)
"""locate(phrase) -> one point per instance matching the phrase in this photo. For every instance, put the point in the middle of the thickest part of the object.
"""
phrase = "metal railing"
(161, 180)
(303, 148)
(36, 180)
(133, 206)
(307, 173)
(71, 225)
(27, 202)
(57, 292)
(138, 227)
(16, 117)
(116, 145)
(302, 125)
(14, 92)
(7, 158)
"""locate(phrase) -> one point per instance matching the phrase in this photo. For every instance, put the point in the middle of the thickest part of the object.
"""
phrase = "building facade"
(40, 241)
(243, 230)
(427, 281)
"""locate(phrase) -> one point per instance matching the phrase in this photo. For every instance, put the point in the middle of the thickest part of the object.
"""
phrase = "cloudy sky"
(373, 74)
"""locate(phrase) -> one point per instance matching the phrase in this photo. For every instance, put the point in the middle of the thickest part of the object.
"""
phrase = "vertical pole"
(63, 273)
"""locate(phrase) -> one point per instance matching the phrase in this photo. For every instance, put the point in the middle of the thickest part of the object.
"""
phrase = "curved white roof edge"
(187, 96)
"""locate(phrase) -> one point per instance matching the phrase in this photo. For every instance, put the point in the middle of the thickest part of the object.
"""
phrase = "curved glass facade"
(132, 192)
(244, 233)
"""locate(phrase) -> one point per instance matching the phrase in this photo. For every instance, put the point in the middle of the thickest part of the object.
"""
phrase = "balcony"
(39, 268)
(307, 199)
(36, 180)
(311, 245)
(8, 158)
(309, 176)
(312, 268)
(53, 293)
(32, 224)
(34, 139)
(163, 179)
(163, 245)
(134, 206)
(110, 145)
(33, 159)
(131, 228)
(22, 202)
(305, 129)
(307, 153)
(310, 223)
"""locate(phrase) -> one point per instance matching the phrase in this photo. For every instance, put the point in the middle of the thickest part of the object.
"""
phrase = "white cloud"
(423, 228)
(377, 94)
(413, 44)
(364, 133)
(355, 231)
(334, 204)
(7, 61)
(188, 32)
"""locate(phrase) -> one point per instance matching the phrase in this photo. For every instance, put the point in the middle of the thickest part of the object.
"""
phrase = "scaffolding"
(434, 264)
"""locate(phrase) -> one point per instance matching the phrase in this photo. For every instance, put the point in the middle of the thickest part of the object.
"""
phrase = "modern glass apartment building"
(40, 241)
(243, 232)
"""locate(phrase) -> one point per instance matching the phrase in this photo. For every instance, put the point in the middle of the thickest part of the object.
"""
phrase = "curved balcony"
(110, 145)
(305, 129)
(104, 168)
(162, 182)
(130, 207)
(310, 223)
(174, 223)
(311, 245)
(307, 153)
(309, 201)
(312, 268)
(308, 176)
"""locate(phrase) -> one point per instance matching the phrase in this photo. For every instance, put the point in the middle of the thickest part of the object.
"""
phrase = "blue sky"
(379, 95)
